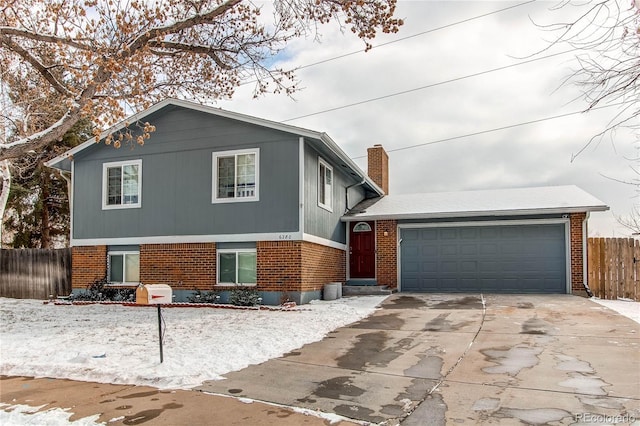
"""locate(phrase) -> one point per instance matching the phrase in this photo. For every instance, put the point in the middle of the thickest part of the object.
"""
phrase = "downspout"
(346, 193)
(585, 241)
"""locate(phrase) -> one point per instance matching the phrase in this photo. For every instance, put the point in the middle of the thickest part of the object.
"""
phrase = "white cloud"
(531, 155)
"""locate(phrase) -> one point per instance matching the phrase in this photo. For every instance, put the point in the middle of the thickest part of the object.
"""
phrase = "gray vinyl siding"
(177, 181)
(317, 220)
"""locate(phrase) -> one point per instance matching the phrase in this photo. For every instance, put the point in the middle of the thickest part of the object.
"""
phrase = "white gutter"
(453, 214)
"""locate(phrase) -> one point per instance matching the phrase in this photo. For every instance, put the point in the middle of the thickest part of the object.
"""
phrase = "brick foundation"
(182, 266)
(88, 264)
(387, 253)
(298, 266)
(279, 265)
(577, 251)
(322, 265)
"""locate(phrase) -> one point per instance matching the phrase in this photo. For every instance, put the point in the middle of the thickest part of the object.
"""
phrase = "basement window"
(237, 267)
(124, 267)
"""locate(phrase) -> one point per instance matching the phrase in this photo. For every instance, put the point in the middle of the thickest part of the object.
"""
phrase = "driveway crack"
(459, 360)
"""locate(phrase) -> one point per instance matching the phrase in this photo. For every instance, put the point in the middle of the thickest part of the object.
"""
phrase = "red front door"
(362, 250)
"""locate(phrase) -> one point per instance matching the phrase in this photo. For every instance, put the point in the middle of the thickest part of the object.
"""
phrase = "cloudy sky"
(406, 102)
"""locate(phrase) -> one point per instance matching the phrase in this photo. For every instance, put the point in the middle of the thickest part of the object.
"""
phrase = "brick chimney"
(378, 166)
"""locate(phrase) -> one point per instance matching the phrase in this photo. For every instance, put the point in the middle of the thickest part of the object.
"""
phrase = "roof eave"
(326, 139)
(471, 214)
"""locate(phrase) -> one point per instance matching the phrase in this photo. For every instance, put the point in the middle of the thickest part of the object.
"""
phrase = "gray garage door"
(493, 259)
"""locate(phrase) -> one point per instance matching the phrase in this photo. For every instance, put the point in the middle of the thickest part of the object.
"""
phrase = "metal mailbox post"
(155, 294)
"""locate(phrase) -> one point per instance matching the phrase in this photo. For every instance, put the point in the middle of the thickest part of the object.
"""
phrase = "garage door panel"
(468, 266)
(489, 233)
(448, 234)
(468, 233)
(449, 250)
(488, 249)
(510, 259)
(512, 249)
(428, 235)
(429, 251)
(448, 267)
(412, 268)
(411, 234)
(467, 249)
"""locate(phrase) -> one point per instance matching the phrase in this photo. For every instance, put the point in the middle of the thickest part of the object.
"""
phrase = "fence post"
(614, 267)
(35, 273)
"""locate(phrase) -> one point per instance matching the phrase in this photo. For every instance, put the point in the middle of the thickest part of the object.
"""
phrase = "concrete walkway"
(138, 405)
(449, 359)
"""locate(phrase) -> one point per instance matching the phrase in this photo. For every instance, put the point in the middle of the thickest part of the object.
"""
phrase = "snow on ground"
(626, 307)
(119, 344)
(21, 415)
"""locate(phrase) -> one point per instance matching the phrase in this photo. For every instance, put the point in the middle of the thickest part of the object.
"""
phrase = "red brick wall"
(577, 251)
(182, 266)
(322, 265)
(298, 265)
(378, 166)
(279, 265)
(88, 264)
(387, 253)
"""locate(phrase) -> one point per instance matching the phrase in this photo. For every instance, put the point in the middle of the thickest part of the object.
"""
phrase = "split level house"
(216, 200)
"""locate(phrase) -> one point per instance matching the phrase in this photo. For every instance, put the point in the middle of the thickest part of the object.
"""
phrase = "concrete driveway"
(452, 359)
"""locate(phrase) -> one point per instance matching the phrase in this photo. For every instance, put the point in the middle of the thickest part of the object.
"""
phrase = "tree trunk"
(5, 175)
(45, 240)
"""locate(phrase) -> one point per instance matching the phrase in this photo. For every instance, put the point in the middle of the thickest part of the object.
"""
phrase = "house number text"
(284, 237)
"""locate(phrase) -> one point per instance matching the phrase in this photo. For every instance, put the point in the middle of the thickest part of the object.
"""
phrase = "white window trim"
(105, 185)
(326, 206)
(124, 267)
(236, 251)
(361, 223)
(214, 180)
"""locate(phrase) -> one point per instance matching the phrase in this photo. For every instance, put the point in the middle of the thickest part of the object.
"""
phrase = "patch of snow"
(119, 344)
(20, 415)
(623, 306)
(330, 417)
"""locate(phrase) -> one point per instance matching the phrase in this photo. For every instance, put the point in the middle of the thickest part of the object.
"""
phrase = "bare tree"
(631, 221)
(606, 37)
(104, 59)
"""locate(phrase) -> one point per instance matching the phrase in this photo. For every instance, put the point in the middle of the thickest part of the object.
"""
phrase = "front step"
(365, 290)
(362, 282)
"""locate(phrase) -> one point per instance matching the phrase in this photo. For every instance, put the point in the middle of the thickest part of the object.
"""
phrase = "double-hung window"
(325, 185)
(237, 267)
(124, 267)
(236, 175)
(122, 184)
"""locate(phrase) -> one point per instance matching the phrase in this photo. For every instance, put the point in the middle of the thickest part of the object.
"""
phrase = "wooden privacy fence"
(35, 273)
(613, 268)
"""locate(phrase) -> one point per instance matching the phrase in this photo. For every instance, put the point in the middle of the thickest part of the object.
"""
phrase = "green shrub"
(101, 291)
(245, 296)
(204, 297)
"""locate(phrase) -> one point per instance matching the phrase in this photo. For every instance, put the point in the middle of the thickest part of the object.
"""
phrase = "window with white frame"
(124, 267)
(325, 185)
(122, 184)
(237, 267)
(236, 175)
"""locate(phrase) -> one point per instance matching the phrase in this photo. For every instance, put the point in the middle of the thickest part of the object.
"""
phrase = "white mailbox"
(153, 294)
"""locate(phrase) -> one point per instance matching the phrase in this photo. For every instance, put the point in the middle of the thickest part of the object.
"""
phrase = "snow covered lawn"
(119, 344)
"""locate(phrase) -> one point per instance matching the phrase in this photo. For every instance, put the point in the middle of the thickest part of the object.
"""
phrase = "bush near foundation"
(245, 296)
